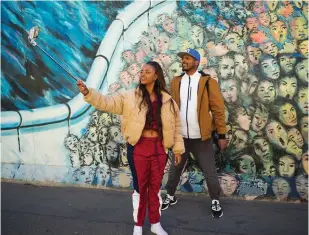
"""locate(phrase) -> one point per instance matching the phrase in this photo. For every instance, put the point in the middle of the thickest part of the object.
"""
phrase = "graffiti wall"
(257, 51)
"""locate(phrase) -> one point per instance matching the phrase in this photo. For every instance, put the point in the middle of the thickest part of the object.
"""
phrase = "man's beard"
(186, 67)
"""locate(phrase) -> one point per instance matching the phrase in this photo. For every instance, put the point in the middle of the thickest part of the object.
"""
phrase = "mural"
(258, 53)
(71, 32)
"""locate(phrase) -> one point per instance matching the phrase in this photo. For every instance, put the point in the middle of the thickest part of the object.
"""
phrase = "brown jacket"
(133, 119)
(206, 102)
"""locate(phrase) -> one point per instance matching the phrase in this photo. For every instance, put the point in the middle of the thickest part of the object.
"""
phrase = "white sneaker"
(138, 230)
(157, 229)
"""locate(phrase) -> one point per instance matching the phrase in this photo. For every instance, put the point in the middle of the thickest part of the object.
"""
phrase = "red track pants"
(149, 161)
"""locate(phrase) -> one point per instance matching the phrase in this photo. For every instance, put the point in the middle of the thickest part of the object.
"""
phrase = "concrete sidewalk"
(37, 210)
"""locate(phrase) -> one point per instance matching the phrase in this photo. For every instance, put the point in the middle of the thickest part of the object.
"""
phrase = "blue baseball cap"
(191, 52)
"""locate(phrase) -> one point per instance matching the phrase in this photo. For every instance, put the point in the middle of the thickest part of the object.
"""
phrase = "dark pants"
(130, 152)
(205, 157)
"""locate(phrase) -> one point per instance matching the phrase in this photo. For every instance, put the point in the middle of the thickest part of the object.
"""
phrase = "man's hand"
(177, 158)
(222, 144)
(82, 87)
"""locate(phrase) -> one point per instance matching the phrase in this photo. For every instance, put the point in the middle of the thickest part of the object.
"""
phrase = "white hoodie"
(188, 106)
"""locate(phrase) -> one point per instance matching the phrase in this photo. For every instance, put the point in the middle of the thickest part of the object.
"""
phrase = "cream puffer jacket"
(133, 119)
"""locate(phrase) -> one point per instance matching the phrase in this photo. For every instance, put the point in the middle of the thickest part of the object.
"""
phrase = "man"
(200, 94)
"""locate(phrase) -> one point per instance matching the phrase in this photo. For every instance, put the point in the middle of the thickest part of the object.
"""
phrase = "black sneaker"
(168, 201)
(216, 209)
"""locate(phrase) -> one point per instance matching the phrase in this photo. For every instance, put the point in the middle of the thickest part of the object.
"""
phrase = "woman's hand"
(82, 87)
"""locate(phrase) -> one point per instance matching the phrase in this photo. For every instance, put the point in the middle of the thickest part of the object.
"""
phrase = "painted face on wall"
(273, 17)
(92, 134)
(281, 188)
(183, 26)
(268, 170)
(285, 9)
(218, 49)
(97, 153)
(301, 70)
(134, 69)
(166, 60)
(221, 29)
(226, 68)
(185, 44)
(287, 115)
(303, 48)
(88, 157)
(102, 175)
(270, 68)
(197, 36)
(295, 135)
(287, 64)
(243, 119)
(287, 87)
(71, 142)
(115, 134)
(103, 135)
(94, 118)
(147, 45)
(84, 175)
(241, 66)
(125, 78)
(279, 31)
(304, 162)
(234, 42)
(163, 43)
(252, 23)
(254, 54)
(229, 90)
(302, 186)
(246, 165)
(112, 151)
(84, 145)
(115, 119)
(128, 56)
(258, 7)
(304, 128)
(262, 149)
(154, 33)
(259, 120)
(175, 69)
(228, 184)
(105, 119)
(229, 133)
(276, 134)
(161, 18)
(293, 149)
(302, 100)
(249, 84)
(299, 28)
(168, 25)
(271, 4)
(287, 166)
(212, 72)
(258, 36)
(240, 139)
(264, 19)
(270, 49)
(266, 92)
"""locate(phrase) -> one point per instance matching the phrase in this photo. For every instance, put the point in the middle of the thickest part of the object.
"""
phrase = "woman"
(151, 123)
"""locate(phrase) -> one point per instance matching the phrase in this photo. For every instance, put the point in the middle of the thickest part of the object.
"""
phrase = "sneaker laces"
(166, 200)
(215, 205)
